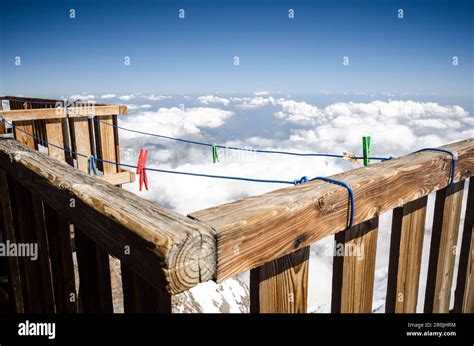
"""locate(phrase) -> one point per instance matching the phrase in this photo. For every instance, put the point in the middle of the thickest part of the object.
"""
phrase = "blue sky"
(195, 55)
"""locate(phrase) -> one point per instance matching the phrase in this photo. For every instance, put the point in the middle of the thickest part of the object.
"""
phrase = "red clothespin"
(141, 169)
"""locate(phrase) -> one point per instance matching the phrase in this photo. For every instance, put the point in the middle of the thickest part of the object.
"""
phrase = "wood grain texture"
(281, 286)
(107, 145)
(140, 297)
(3, 129)
(464, 294)
(314, 210)
(14, 274)
(165, 248)
(82, 144)
(54, 137)
(44, 261)
(25, 234)
(406, 246)
(62, 266)
(95, 290)
(123, 177)
(444, 237)
(19, 131)
(353, 274)
(58, 113)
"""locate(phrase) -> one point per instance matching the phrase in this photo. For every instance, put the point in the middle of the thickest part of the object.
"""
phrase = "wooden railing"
(163, 253)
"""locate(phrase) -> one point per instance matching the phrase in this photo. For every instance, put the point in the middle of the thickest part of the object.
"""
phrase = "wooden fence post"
(353, 275)
(95, 291)
(59, 238)
(406, 246)
(140, 296)
(14, 275)
(281, 286)
(444, 237)
(464, 295)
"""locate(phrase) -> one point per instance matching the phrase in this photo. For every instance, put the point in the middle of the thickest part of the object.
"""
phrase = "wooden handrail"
(176, 252)
(259, 229)
(59, 113)
(166, 249)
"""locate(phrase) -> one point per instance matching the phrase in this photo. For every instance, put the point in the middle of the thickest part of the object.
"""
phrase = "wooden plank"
(58, 113)
(54, 135)
(116, 137)
(406, 246)
(314, 210)
(165, 248)
(443, 248)
(464, 294)
(95, 292)
(59, 239)
(3, 129)
(44, 263)
(94, 273)
(14, 277)
(123, 177)
(140, 296)
(21, 131)
(82, 142)
(281, 286)
(25, 234)
(107, 145)
(353, 273)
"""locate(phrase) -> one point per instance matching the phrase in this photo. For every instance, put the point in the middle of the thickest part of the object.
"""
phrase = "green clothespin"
(215, 155)
(366, 150)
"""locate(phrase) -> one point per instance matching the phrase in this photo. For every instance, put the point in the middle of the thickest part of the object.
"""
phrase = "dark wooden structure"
(163, 253)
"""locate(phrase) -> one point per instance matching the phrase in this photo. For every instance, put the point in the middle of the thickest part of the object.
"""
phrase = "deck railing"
(163, 253)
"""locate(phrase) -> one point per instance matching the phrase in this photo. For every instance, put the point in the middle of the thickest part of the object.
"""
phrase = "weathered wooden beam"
(281, 286)
(58, 113)
(123, 177)
(464, 294)
(294, 217)
(406, 246)
(444, 238)
(163, 247)
(354, 268)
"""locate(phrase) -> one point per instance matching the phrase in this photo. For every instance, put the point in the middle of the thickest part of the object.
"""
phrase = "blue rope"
(272, 181)
(235, 148)
(453, 162)
(294, 182)
(349, 190)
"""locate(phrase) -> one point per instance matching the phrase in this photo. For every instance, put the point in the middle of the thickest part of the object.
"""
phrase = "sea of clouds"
(397, 127)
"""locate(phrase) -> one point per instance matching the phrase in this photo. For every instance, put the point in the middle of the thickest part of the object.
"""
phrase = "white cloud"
(134, 106)
(261, 93)
(83, 97)
(127, 97)
(108, 96)
(396, 127)
(154, 97)
(209, 99)
(253, 102)
(175, 121)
